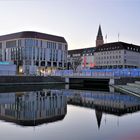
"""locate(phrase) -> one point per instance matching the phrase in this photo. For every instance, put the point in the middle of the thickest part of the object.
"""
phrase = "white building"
(117, 55)
(33, 50)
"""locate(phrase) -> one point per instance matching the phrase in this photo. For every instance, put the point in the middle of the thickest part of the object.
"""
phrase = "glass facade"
(34, 51)
(0, 51)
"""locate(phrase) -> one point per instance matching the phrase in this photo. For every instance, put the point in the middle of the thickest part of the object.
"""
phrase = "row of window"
(88, 54)
(116, 62)
(115, 66)
(109, 48)
(132, 48)
(78, 54)
(108, 62)
(35, 42)
(108, 52)
(109, 57)
(23, 53)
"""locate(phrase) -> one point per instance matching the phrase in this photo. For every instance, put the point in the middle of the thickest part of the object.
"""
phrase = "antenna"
(118, 37)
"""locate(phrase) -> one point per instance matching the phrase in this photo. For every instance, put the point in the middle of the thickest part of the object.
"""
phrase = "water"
(52, 113)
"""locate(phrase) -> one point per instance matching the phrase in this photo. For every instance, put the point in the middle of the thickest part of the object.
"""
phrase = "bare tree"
(75, 62)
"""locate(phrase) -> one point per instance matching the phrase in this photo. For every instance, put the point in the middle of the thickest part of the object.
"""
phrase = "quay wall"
(102, 81)
(89, 81)
(11, 80)
(7, 80)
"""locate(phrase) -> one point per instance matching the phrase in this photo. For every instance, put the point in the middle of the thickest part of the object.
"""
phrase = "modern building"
(117, 55)
(33, 50)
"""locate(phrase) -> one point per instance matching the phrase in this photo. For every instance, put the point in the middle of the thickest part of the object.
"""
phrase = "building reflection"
(33, 108)
(49, 105)
(112, 103)
(104, 102)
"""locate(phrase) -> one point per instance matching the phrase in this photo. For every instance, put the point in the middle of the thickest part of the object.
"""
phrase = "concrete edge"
(34, 83)
(125, 91)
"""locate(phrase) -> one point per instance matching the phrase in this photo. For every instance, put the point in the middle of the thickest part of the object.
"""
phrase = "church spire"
(99, 38)
(99, 31)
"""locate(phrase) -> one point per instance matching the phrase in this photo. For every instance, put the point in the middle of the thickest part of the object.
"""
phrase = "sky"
(76, 20)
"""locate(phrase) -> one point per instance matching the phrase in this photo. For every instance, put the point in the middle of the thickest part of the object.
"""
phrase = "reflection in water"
(89, 86)
(104, 102)
(33, 108)
(112, 103)
(99, 117)
(38, 107)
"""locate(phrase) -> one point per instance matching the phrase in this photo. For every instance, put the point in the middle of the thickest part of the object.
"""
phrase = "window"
(60, 46)
(29, 43)
(124, 60)
(11, 44)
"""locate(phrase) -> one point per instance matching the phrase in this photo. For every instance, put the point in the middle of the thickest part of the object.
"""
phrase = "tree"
(75, 62)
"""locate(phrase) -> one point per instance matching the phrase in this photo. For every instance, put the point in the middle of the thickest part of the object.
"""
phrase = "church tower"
(99, 38)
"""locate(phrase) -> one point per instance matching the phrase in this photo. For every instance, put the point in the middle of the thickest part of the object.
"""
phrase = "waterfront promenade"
(123, 80)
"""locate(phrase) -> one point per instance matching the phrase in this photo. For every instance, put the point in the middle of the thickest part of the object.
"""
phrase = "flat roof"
(32, 34)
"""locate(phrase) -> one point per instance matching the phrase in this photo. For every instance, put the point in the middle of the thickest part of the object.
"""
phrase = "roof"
(99, 31)
(32, 34)
(32, 122)
(82, 51)
(117, 46)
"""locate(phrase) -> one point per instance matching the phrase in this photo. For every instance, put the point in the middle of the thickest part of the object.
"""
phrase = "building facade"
(33, 49)
(86, 55)
(117, 55)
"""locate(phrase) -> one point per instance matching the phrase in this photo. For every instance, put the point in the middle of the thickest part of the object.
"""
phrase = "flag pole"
(106, 38)
(118, 37)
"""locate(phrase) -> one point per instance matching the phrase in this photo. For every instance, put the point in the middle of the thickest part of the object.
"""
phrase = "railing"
(99, 73)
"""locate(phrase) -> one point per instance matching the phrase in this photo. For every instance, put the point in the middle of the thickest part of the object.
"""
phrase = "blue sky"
(76, 20)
